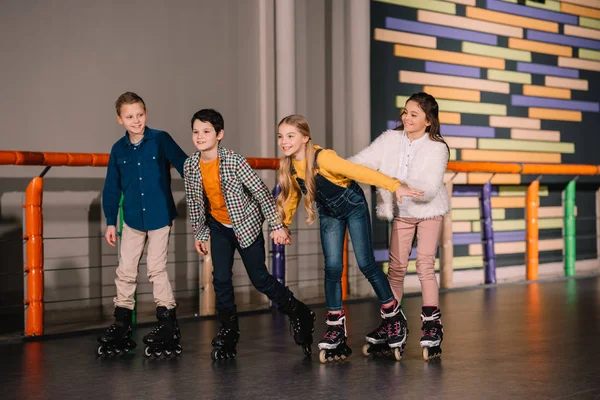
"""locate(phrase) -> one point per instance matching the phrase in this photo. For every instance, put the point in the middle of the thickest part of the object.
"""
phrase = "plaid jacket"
(248, 200)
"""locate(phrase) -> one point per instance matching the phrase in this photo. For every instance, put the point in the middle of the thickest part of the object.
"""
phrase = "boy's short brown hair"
(128, 98)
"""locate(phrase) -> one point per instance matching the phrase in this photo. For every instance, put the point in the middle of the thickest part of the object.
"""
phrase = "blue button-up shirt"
(142, 174)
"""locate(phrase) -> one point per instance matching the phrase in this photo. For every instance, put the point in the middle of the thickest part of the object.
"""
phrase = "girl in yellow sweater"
(330, 182)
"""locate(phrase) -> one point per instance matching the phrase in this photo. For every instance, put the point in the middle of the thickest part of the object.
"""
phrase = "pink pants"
(428, 234)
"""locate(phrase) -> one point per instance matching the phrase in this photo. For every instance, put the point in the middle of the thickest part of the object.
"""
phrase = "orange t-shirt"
(211, 182)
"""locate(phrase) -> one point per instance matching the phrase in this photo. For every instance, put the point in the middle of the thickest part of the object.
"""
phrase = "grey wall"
(65, 62)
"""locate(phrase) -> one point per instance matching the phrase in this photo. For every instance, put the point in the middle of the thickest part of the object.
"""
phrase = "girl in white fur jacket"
(417, 155)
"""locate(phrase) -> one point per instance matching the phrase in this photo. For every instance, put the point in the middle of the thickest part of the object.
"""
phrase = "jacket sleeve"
(331, 162)
(431, 181)
(111, 194)
(260, 192)
(174, 154)
(370, 156)
(291, 204)
(197, 220)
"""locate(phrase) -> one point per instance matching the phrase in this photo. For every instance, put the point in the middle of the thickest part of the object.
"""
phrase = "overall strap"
(315, 166)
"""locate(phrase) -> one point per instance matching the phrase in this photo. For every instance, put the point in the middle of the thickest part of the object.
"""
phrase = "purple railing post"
(487, 233)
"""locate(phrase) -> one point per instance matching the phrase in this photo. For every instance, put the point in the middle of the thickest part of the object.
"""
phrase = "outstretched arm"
(260, 192)
(370, 156)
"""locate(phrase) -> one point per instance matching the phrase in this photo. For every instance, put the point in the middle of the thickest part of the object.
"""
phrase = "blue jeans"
(349, 209)
(223, 244)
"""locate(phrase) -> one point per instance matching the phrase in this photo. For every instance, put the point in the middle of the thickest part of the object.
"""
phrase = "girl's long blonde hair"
(284, 173)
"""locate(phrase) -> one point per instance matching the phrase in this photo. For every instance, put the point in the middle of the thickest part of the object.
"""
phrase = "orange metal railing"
(34, 222)
(35, 257)
(101, 160)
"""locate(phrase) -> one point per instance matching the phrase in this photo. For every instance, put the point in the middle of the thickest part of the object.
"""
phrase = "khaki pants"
(132, 247)
(428, 234)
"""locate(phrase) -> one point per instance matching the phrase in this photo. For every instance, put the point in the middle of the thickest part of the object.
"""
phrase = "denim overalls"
(340, 207)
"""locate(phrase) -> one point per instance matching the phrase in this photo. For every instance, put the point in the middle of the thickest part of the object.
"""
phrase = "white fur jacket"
(426, 173)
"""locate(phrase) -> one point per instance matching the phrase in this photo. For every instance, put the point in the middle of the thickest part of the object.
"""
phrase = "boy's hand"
(282, 236)
(201, 247)
(111, 235)
(404, 190)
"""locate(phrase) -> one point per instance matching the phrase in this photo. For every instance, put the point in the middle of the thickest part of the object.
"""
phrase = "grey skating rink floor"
(517, 341)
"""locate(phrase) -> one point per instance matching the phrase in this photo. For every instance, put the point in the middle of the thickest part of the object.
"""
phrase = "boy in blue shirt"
(139, 169)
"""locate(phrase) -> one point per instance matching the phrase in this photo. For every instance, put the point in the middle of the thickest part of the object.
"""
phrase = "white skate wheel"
(365, 350)
(322, 356)
(397, 354)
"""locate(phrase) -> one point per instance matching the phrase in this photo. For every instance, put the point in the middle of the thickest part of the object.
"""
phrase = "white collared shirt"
(406, 157)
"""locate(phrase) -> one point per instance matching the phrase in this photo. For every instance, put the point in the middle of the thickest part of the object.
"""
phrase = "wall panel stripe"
(467, 131)
(521, 145)
(450, 57)
(577, 63)
(562, 39)
(567, 83)
(530, 12)
(510, 156)
(459, 70)
(498, 52)
(588, 22)
(555, 115)
(525, 101)
(453, 94)
(386, 35)
(579, 10)
(514, 20)
(573, 30)
(440, 31)
(469, 23)
(421, 78)
(543, 91)
(543, 69)
(540, 47)
(589, 54)
(508, 76)
(530, 134)
(515, 122)
(433, 5)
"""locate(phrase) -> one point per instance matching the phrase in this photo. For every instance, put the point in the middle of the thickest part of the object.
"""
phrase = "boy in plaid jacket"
(229, 202)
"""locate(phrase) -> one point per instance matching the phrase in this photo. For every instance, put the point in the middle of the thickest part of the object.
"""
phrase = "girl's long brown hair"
(284, 173)
(430, 108)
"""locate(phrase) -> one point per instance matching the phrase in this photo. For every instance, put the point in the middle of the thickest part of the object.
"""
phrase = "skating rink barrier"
(34, 240)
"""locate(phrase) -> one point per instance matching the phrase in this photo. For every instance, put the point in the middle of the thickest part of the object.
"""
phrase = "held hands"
(111, 235)
(201, 247)
(404, 190)
(282, 236)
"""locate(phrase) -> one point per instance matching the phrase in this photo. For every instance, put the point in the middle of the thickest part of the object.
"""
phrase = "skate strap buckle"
(391, 314)
(335, 323)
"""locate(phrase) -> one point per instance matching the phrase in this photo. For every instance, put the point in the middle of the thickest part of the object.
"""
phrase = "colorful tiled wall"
(514, 82)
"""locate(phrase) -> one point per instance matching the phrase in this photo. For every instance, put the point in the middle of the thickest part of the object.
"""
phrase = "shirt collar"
(148, 134)
(419, 140)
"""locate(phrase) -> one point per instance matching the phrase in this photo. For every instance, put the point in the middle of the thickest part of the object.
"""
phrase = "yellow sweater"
(338, 171)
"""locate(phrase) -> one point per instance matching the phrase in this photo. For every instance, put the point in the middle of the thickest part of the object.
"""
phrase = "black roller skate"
(333, 346)
(391, 335)
(377, 341)
(165, 336)
(302, 322)
(432, 333)
(116, 339)
(226, 340)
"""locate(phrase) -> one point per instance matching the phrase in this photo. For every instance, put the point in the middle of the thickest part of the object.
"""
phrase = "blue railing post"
(278, 251)
(487, 233)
